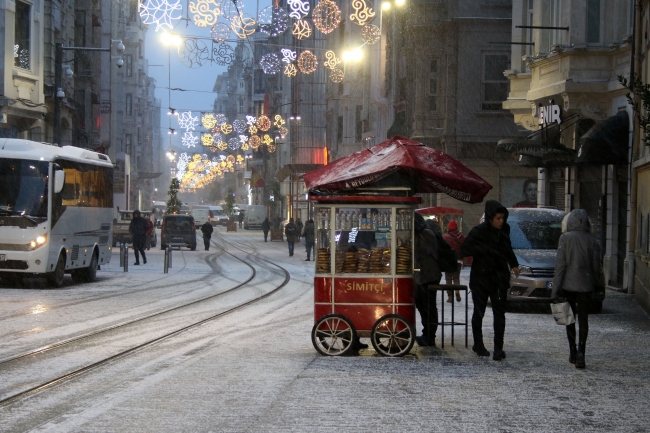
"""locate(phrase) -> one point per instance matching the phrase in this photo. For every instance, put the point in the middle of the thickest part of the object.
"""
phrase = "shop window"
(495, 84)
(22, 34)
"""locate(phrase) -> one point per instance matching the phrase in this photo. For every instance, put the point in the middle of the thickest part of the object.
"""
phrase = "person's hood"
(578, 220)
(434, 226)
(419, 223)
(493, 207)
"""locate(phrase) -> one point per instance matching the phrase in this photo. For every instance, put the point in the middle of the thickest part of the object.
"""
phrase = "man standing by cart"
(426, 256)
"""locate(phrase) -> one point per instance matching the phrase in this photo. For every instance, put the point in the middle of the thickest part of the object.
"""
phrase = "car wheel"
(55, 278)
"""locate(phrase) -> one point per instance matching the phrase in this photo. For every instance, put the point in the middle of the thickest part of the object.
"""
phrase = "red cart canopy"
(399, 162)
(439, 210)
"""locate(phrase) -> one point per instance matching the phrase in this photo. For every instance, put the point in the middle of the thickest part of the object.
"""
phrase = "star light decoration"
(307, 62)
(189, 140)
(271, 63)
(301, 29)
(273, 21)
(208, 120)
(290, 70)
(326, 16)
(205, 12)
(362, 13)
(187, 121)
(161, 13)
(370, 34)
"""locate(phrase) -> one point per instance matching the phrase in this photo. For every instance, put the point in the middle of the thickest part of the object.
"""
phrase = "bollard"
(121, 255)
(166, 261)
(126, 258)
(169, 247)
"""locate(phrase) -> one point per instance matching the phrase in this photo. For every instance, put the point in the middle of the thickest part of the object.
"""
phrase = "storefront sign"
(105, 107)
(549, 114)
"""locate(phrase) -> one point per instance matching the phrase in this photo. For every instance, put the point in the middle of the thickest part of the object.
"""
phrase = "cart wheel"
(333, 335)
(392, 335)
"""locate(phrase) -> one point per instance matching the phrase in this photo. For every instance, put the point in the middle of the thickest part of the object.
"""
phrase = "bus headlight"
(38, 242)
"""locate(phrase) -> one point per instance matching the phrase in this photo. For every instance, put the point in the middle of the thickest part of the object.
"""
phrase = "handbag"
(562, 313)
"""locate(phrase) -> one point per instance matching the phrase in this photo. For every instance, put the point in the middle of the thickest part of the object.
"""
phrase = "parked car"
(200, 216)
(178, 230)
(254, 216)
(121, 228)
(217, 216)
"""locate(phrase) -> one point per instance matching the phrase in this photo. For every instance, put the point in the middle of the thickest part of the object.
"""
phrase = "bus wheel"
(55, 278)
(86, 275)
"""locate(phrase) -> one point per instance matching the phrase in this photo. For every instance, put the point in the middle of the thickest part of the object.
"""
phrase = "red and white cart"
(363, 207)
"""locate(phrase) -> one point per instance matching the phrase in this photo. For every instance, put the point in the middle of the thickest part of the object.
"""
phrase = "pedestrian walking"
(138, 230)
(577, 272)
(489, 244)
(291, 232)
(310, 236)
(207, 230)
(455, 239)
(426, 256)
(266, 226)
(240, 218)
(300, 227)
(149, 234)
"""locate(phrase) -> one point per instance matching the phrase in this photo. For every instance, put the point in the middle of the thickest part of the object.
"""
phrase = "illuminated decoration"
(243, 26)
(221, 119)
(251, 120)
(244, 146)
(288, 56)
(189, 139)
(271, 64)
(307, 62)
(220, 32)
(326, 16)
(161, 13)
(223, 54)
(243, 139)
(267, 139)
(206, 12)
(263, 123)
(370, 34)
(336, 75)
(362, 13)
(187, 121)
(252, 129)
(290, 70)
(208, 121)
(207, 139)
(240, 159)
(283, 131)
(226, 128)
(230, 159)
(271, 148)
(217, 137)
(273, 21)
(279, 121)
(234, 143)
(239, 126)
(231, 8)
(213, 148)
(299, 9)
(332, 61)
(222, 145)
(301, 29)
(254, 142)
(193, 53)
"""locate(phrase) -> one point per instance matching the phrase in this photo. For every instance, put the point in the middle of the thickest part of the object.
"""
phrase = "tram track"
(84, 369)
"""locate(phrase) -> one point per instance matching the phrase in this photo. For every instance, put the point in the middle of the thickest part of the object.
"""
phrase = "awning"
(439, 210)
(607, 142)
(290, 169)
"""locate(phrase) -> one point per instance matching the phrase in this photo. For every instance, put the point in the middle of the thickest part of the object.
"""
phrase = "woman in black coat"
(489, 244)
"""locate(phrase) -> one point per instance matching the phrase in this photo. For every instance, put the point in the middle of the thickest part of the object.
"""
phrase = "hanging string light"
(222, 145)
(336, 75)
(234, 143)
(362, 13)
(271, 64)
(252, 129)
(187, 121)
(288, 56)
(220, 32)
(301, 29)
(208, 120)
(239, 126)
(307, 62)
(161, 13)
(290, 70)
(226, 128)
(243, 26)
(331, 60)
(299, 9)
(263, 123)
(207, 139)
(370, 34)
(326, 16)
(231, 8)
(273, 21)
(278, 121)
(205, 12)
(189, 140)
(254, 142)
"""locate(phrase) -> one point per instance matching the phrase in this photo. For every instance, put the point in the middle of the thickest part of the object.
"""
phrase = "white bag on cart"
(562, 313)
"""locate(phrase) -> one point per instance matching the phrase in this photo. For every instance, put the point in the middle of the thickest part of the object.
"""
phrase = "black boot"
(572, 353)
(580, 355)
(571, 336)
(480, 349)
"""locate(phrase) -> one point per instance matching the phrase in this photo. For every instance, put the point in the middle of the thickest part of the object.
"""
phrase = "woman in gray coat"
(577, 268)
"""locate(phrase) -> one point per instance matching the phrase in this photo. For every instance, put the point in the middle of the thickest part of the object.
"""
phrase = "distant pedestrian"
(310, 236)
(266, 226)
(577, 272)
(455, 239)
(240, 218)
(489, 244)
(149, 234)
(426, 257)
(291, 232)
(300, 227)
(138, 229)
(207, 230)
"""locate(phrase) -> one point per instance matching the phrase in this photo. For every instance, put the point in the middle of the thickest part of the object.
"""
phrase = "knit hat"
(452, 226)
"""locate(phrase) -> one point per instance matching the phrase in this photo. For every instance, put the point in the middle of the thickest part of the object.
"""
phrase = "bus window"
(86, 185)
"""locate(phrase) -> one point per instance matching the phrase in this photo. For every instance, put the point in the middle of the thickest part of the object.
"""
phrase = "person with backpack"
(426, 260)
(454, 239)
(291, 232)
(489, 244)
(310, 236)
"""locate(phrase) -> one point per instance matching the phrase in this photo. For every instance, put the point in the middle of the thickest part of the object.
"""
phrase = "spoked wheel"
(392, 335)
(333, 335)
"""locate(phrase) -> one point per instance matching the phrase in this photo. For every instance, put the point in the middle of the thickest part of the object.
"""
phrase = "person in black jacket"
(489, 244)
(138, 229)
(207, 230)
(266, 226)
(426, 260)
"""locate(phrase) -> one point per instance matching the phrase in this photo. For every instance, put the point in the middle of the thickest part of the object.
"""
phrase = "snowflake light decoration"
(254, 142)
(326, 16)
(332, 61)
(223, 54)
(208, 121)
(252, 129)
(187, 121)
(189, 140)
(370, 34)
(290, 70)
(251, 120)
(231, 8)
(226, 128)
(243, 26)
(193, 53)
(362, 13)
(288, 56)
(301, 29)
(222, 145)
(205, 12)
(263, 123)
(271, 64)
(234, 143)
(161, 13)
(220, 32)
(336, 75)
(239, 126)
(278, 121)
(307, 62)
(207, 139)
(273, 21)
(299, 8)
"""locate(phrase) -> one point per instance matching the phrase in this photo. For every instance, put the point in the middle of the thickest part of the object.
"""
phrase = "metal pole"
(58, 60)
(126, 258)
(121, 255)
(169, 247)
(166, 263)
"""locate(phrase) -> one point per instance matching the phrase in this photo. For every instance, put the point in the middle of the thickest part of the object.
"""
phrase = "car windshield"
(23, 196)
(180, 224)
(537, 235)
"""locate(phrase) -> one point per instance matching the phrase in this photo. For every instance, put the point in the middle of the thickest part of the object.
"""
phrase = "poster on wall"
(518, 192)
